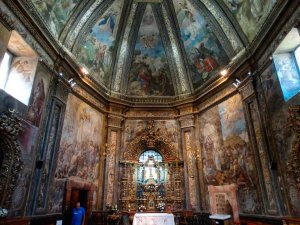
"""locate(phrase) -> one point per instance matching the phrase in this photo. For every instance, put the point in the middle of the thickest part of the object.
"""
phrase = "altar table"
(153, 219)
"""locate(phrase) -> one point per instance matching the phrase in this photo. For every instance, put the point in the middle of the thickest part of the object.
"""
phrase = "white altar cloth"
(153, 219)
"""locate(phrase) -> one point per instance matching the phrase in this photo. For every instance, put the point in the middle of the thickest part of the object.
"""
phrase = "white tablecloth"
(153, 219)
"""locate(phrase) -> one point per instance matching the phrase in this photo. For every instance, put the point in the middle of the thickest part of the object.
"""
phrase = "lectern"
(220, 218)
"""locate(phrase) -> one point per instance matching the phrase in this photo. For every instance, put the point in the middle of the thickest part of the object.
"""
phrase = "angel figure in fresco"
(186, 17)
(108, 22)
(148, 41)
(21, 67)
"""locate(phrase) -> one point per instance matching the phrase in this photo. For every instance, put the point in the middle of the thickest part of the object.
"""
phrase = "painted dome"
(153, 48)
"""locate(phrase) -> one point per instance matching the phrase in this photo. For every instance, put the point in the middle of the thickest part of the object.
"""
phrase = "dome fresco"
(153, 47)
(150, 73)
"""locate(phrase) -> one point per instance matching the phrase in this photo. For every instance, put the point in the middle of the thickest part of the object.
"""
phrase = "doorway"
(77, 195)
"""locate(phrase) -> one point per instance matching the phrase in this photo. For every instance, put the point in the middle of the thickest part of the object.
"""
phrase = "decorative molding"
(114, 121)
(187, 121)
(89, 98)
(246, 89)
(10, 150)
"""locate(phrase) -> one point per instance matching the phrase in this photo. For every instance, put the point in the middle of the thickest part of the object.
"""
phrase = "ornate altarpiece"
(151, 173)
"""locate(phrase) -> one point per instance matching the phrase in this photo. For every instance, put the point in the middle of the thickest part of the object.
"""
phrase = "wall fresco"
(278, 112)
(80, 145)
(250, 14)
(38, 97)
(150, 72)
(55, 12)
(97, 50)
(227, 158)
(205, 53)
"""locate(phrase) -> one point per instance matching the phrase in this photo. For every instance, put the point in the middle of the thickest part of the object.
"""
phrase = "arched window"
(145, 155)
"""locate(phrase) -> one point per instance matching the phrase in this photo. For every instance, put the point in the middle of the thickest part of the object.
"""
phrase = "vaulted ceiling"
(153, 47)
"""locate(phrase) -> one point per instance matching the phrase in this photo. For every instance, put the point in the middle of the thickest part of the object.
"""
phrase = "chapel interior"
(190, 107)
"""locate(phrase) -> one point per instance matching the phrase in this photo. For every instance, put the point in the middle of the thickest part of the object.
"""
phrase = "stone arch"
(10, 161)
(151, 139)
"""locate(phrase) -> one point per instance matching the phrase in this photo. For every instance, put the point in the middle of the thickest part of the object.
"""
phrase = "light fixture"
(84, 71)
(224, 72)
(60, 74)
(72, 82)
(237, 82)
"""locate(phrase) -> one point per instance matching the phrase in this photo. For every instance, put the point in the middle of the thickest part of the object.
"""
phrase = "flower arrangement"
(141, 208)
(3, 212)
(161, 206)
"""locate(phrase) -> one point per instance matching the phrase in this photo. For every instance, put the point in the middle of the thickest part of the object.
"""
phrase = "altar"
(153, 219)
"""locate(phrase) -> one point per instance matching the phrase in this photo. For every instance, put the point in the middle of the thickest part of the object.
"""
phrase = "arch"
(150, 139)
(10, 150)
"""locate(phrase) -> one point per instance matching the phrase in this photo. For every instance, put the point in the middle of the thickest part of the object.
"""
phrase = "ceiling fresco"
(55, 12)
(97, 50)
(150, 73)
(178, 46)
(250, 14)
(205, 54)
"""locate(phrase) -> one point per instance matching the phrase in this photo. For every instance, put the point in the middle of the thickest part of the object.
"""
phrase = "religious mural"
(21, 77)
(250, 14)
(79, 146)
(97, 51)
(204, 52)
(166, 128)
(150, 72)
(38, 97)
(227, 158)
(279, 118)
(55, 12)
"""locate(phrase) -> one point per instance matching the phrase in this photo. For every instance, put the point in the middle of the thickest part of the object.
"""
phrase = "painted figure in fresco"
(38, 99)
(148, 41)
(203, 59)
(21, 66)
(108, 22)
(144, 77)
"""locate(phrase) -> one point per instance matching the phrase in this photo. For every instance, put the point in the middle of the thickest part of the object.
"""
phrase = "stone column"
(112, 159)
(190, 169)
